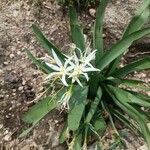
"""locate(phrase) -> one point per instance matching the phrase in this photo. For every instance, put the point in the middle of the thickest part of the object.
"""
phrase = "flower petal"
(63, 79)
(86, 76)
(54, 67)
(58, 62)
(51, 75)
(89, 69)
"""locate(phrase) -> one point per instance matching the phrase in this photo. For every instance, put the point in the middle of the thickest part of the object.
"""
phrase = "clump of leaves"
(91, 85)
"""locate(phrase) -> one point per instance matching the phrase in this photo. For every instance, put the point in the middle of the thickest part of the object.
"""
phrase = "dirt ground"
(20, 81)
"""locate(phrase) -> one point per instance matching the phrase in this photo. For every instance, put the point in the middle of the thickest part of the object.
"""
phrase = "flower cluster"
(73, 68)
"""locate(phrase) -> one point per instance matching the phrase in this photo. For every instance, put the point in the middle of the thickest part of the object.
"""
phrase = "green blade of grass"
(98, 30)
(45, 43)
(76, 31)
(139, 65)
(120, 48)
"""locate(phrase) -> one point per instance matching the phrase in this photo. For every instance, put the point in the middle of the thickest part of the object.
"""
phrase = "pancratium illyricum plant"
(91, 86)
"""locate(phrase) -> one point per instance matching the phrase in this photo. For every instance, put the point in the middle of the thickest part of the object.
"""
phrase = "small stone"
(5, 63)
(11, 56)
(7, 137)
(92, 12)
(20, 88)
(1, 126)
(18, 53)
(26, 147)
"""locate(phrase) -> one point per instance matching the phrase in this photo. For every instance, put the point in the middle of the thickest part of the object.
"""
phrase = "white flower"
(82, 66)
(65, 99)
(60, 70)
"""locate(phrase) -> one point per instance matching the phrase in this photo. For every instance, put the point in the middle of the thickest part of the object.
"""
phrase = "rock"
(20, 88)
(11, 56)
(92, 12)
(26, 147)
(5, 63)
(7, 137)
(1, 126)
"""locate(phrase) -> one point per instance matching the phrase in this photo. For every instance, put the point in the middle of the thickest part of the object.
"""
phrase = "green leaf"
(76, 31)
(76, 143)
(120, 48)
(134, 114)
(136, 24)
(136, 84)
(25, 132)
(43, 107)
(64, 134)
(100, 125)
(45, 43)
(139, 19)
(94, 106)
(125, 120)
(139, 65)
(98, 29)
(138, 117)
(77, 105)
(38, 62)
(128, 97)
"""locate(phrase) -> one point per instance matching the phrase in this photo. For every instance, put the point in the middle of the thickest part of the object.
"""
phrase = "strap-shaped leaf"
(45, 43)
(77, 105)
(139, 65)
(134, 114)
(138, 117)
(44, 106)
(64, 134)
(125, 120)
(128, 97)
(76, 143)
(76, 31)
(136, 24)
(139, 19)
(120, 48)
(98, 29)
(38, 62)
(94, 106)
(135, 83)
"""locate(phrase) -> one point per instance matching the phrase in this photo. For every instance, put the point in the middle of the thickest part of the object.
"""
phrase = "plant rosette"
(91, 84)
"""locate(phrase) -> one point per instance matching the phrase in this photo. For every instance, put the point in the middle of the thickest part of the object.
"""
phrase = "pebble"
(92, 12)
(26, 147)
(11, 56)
(1, 126)
(7, 137)
(20, 88)
(18, 53)
(5, 63)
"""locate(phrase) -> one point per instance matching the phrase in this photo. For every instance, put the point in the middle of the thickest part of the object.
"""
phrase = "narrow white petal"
(69, 68)
(86, 76)
(54, 67)
(56, 58)
(78, 81)
(90, 69)
(63, 79)
(51, 75)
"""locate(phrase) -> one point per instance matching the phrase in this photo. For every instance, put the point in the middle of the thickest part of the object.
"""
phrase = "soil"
(21, 82)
